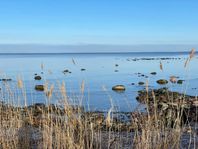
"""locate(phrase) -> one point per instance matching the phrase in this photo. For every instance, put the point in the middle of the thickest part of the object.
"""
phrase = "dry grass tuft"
(161, 66)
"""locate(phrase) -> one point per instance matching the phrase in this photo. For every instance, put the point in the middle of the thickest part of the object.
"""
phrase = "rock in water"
(162, 81)
(119, 88)
(153, 73)
(39, 87)
(6, 80)
(37, 78)
(180, 81)
(141, 83)
(65, 71)
(83, 69)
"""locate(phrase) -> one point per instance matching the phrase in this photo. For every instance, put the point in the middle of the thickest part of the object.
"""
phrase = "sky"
(99, 22)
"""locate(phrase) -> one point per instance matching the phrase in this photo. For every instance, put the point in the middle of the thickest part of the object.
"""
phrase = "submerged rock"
(141, 83)
(119, 88)
(116, 65)
(66, 71)
(6, 79)
(180, 81)
(162, 81)
(153, 73)
(37, 78)
(40, 87)
(83, 69)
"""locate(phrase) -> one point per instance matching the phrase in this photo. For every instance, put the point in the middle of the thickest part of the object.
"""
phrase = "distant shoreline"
(58, 53)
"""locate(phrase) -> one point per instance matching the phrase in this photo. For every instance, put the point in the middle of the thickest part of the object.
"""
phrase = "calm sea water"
(99, 77)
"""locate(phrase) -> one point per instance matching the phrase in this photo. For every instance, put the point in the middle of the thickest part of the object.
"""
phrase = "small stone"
(39, 87)
(37, 78)
(83, 69)
(65, 71)
(141, 83)
(153, 73)
(162, 81)
(180, 81)
(119, 88)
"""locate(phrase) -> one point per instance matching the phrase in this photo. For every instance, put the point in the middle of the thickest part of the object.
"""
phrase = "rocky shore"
(166, 103)
(169, 103)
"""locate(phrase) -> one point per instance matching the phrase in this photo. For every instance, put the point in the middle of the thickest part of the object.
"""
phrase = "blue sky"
(123, 22)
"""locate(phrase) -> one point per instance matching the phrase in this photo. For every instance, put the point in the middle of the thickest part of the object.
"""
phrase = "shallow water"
(99, 77)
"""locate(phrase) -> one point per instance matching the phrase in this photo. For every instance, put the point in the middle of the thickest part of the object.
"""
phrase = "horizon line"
(113, 52)
(97, 44)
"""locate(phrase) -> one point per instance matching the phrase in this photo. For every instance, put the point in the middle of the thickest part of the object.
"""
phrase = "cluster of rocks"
(38, 87)
(37, 112)
(41, 87)
(119, 121)
(36, 115)
(167, 102)
(153, 58)
(6, 79)
(141, 75)
(173, 79)
(66, 71)
(164, 81)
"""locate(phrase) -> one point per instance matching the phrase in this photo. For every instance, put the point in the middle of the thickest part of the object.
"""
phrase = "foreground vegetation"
(41, 126)
(169, 121)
